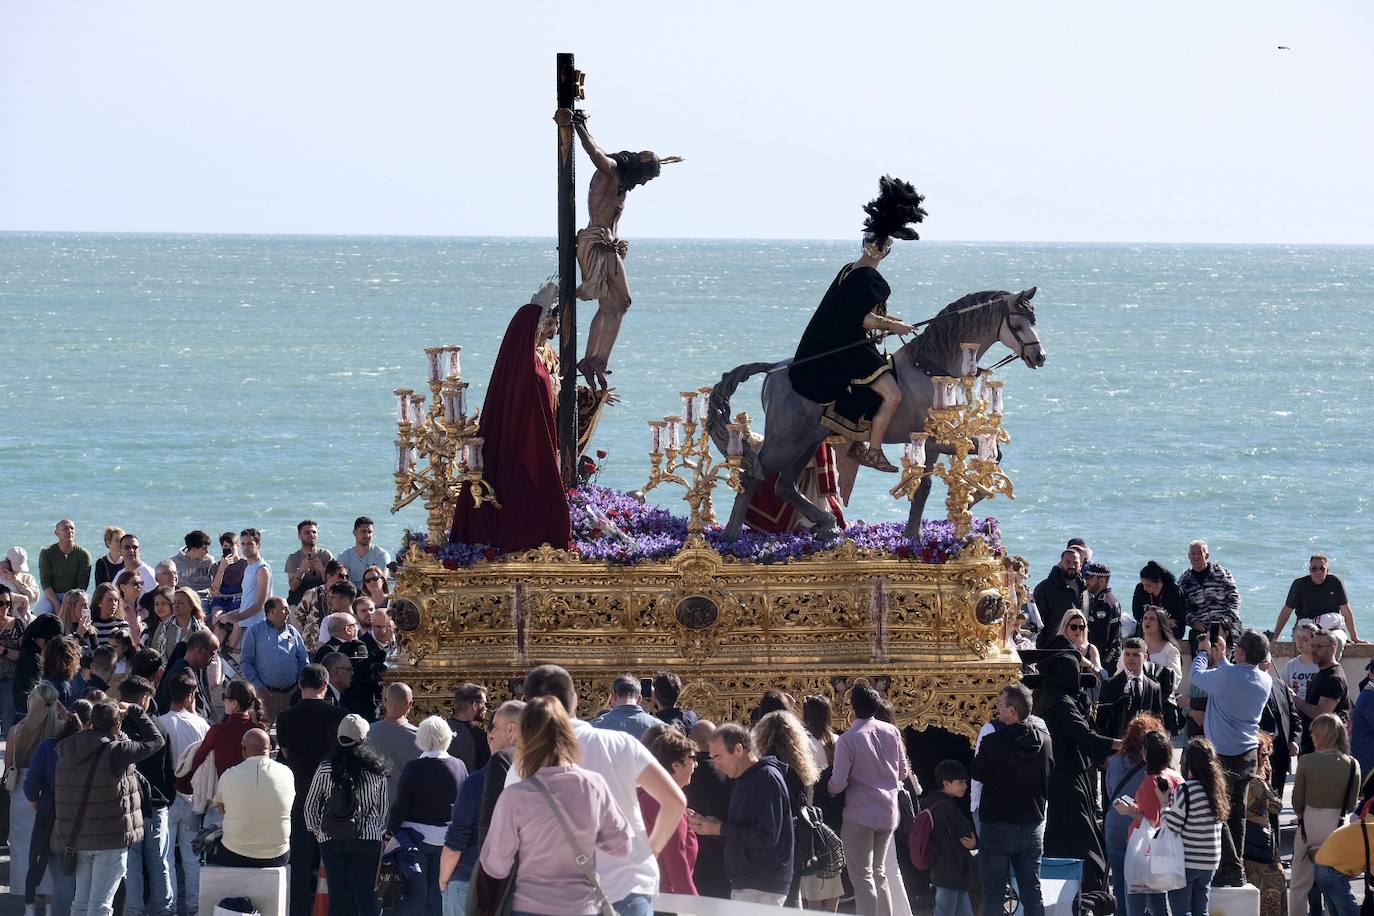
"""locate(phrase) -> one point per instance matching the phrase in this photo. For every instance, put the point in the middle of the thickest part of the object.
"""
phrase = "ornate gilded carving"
(926, 635)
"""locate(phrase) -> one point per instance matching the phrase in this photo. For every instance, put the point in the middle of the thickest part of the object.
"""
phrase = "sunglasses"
(1076, 626)
(373, 579)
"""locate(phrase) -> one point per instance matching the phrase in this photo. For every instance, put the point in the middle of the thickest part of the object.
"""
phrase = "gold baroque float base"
(927, 636)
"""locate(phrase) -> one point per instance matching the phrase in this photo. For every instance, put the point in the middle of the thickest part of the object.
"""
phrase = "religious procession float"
(526, 561)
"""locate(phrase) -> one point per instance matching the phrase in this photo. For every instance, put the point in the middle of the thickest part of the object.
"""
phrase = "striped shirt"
(1191, 817)
(372, 802)
(104, 629)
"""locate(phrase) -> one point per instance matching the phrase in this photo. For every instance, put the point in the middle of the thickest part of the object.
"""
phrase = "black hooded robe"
(1072, 828)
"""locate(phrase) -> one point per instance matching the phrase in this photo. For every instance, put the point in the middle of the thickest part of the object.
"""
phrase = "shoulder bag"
(584, 861)
(68, 863)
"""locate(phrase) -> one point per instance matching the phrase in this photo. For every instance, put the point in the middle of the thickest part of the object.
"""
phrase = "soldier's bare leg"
(886, 388)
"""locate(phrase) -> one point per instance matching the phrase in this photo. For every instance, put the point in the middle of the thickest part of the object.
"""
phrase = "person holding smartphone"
(1236, 696)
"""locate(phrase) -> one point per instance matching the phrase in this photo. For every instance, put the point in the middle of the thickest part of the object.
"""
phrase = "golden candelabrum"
(680, 453)
(438, 450)
(966, 419)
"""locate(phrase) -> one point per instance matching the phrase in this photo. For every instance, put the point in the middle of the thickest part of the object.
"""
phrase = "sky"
(1044, 121)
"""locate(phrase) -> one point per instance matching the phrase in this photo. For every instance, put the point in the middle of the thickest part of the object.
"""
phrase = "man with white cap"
(14, 572)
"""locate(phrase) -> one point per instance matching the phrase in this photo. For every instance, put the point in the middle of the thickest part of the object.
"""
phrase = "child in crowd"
(954, 872)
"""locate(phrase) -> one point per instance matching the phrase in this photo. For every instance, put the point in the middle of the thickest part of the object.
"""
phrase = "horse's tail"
(718, 414)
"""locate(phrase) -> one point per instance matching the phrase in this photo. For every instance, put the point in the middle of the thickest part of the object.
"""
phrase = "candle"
(944, 391)
(450, 402)
(993, 391)
(987, 448)
(672, 423)
(918, 449)
(689, 406)
(402, 457)
(655, 437)
(475, 455)
(968, 359)
(735, 447)
(432, 353)
(462, 402)
(402, 405)
(417, 410)
(453, 370)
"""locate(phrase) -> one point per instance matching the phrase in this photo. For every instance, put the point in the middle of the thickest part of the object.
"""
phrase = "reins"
(777, 367)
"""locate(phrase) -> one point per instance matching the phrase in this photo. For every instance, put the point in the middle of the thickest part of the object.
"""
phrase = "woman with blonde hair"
(782, 735)
(1074, 627)
(45, 719)
(529, 818)
(188, 616)
(1325, 787)
(75, 614)
(424, 804)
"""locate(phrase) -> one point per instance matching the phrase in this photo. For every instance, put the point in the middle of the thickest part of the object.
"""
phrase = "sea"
(170, 382)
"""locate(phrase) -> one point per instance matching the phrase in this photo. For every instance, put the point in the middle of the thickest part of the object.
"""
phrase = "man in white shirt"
(133, 561)
(184, 727)
(256, 799)
(626, 764)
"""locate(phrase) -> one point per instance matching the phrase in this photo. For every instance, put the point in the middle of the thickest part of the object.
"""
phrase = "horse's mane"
(937, 345)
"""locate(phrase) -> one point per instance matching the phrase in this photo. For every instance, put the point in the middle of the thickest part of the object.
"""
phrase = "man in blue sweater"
(758, 826)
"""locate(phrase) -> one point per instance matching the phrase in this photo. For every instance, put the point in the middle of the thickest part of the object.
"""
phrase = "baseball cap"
(352, 730)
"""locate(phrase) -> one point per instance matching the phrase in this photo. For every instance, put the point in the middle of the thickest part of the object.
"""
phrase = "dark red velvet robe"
(520, 452)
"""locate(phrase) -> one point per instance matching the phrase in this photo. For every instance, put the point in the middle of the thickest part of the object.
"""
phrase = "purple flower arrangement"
(610, 526)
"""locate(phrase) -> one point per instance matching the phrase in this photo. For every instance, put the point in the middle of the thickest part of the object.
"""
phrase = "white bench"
(1235, 901)
(266, 887)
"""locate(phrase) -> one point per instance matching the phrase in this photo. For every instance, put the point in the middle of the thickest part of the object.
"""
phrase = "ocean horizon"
(165, 382)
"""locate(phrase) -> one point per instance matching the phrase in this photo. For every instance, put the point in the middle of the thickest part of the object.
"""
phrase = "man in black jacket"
(1013, 763)
(758, 828)
(306, 732)
(1130, 692)
(201, 647)
(1059, 592)
(159, 789)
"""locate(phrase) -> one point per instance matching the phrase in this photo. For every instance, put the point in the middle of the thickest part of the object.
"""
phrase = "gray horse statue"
(792, 423)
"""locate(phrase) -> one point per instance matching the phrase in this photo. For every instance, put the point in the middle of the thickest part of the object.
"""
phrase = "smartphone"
(646, 687)
(1126, 800)
(1214, 633)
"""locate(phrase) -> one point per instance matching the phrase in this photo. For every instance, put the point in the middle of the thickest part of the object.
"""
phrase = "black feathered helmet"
(891, 215)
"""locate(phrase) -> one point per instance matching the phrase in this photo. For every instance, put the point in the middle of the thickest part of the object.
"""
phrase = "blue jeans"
(98, 873)
(182, 826)
(1009, 846)
(422, 890)
(1192, 898)
(635, 905)
(1116, 858)
(1335, 887)
(152, 855)
(952, 902)
(456, 898)
(350, 867)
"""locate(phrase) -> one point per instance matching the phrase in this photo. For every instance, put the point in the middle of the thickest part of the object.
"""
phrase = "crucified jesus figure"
(600, 250)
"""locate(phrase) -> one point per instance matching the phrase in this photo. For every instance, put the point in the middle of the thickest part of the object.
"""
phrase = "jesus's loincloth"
(603, 268)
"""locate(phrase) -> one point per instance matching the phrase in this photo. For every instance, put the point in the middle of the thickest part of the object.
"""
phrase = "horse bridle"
(1021, 345)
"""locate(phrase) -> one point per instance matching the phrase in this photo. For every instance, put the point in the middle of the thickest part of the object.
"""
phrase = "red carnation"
(601, 453)
(490, 554)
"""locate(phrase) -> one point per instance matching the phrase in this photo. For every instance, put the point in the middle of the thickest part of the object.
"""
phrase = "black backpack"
(341, 819)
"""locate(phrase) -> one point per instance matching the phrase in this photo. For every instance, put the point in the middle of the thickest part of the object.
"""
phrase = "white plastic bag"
(1138, 862)
(1154, 861)
(1166, 860)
